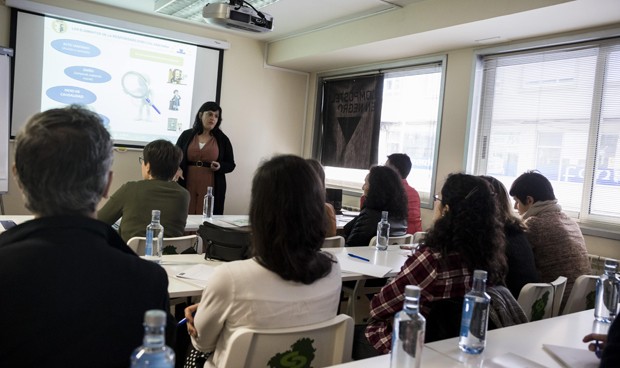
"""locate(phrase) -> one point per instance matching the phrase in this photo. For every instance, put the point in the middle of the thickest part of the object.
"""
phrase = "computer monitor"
(334, 197)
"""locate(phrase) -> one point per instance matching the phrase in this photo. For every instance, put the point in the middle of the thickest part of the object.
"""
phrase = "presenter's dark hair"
(163, 157)
(532, 184)
(469, 225)
(386, 192)
(287, 218)
(207, 106)
(401, 162)
(62, 160)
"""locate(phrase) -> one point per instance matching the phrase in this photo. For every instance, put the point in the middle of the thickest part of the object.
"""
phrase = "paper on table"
(241, 222)
(365, 268)
(198, 273)
(511, 360)
(572, 357)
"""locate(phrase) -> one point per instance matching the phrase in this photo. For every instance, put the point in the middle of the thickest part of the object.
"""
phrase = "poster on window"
(351, 122)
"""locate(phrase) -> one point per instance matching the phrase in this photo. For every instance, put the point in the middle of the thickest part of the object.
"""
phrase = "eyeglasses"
(141, 160)
(436, 196)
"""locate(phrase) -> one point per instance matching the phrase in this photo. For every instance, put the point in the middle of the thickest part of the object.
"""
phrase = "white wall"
(263, 108)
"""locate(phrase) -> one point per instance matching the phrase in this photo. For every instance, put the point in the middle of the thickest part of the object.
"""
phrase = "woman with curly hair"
(466, 236)
(384, 192)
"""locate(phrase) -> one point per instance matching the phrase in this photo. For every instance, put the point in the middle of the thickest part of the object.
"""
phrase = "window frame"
(426, 199)
(590, 224)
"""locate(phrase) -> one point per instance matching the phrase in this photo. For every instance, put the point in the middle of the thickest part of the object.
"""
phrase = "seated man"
(402, 164)
(556, 239)
(134, 201)
(72, 294)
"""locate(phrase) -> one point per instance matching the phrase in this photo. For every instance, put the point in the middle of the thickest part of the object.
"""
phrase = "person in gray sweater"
(556, 239)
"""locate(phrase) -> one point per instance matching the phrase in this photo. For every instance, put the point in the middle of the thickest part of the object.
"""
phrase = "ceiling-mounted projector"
(237, 17)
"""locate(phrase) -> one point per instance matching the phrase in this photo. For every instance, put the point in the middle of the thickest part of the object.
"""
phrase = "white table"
(527, 339)
(191, 225)
(524, 340)
(394, 258)
(231, 221)
(430, 359)
(17, 219)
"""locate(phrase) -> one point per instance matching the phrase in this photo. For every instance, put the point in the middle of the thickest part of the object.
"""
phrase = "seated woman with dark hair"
(384, 191)
(465, 236)
(135, 200)
(289, 282)
(330, 212)
(521, 266)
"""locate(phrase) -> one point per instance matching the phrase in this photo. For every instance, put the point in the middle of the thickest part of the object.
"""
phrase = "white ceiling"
(291, 17)
(480, 22)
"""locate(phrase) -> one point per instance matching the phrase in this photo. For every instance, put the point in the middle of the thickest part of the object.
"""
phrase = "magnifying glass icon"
(136, 85)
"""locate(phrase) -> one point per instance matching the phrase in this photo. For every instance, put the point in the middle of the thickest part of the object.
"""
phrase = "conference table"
(380, 264)
(515, 346)
(194, 221)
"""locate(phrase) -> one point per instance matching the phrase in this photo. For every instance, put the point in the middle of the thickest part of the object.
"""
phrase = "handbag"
(223, 243)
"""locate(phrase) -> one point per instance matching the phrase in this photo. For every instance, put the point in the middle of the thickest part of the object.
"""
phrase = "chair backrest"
(174, 245)
(539, 300)
(597, 263)
(402, 239)
(559, 285)
(583, 294)
(333, 242)
(418, 236)
(318, 345)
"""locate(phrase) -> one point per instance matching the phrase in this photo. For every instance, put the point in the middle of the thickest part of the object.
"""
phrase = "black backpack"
(224, 243)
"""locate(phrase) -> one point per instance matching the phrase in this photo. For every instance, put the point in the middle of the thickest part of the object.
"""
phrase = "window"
(556, 110)
(410, 123)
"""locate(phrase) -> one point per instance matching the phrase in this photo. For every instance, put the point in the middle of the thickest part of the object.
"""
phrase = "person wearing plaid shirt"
(466, 235)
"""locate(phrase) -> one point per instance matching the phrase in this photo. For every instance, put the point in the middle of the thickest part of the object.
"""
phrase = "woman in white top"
(289, 282)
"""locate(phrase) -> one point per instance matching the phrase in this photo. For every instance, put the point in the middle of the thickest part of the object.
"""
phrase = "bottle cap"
(412, 291)
(155, 317)
(480, 274)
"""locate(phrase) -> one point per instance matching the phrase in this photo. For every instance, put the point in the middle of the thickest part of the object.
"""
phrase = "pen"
(184, 320)
(358, 257)
(598, 351)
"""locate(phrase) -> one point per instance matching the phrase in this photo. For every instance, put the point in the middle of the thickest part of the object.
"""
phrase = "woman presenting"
(207, 157)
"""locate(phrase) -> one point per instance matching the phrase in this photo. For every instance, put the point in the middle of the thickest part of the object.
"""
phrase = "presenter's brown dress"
(201, 176)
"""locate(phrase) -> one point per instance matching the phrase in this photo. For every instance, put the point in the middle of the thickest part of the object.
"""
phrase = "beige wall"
(263, 108)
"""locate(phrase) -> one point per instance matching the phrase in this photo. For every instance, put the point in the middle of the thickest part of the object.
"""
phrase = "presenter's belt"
(199, 163)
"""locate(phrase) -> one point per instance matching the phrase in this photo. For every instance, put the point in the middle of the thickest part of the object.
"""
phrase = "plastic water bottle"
(153, 353)
(207, 208)
(408, 334)
(607, 293)
(475, 316)
(154, 238)
(383, 232)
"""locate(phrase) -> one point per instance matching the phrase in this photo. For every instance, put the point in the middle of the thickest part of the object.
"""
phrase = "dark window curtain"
(351, 121)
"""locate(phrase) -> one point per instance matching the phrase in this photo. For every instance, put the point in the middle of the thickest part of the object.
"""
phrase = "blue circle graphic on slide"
(87, 74)
(76, 48)
(71, 95)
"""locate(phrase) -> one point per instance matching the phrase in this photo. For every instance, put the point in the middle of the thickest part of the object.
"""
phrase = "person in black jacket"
(519, 255)
(207, 157)
(384, 191)
(72, 293)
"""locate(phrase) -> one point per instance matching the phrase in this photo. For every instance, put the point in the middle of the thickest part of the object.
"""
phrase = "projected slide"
(144, 87)
(137, 84)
